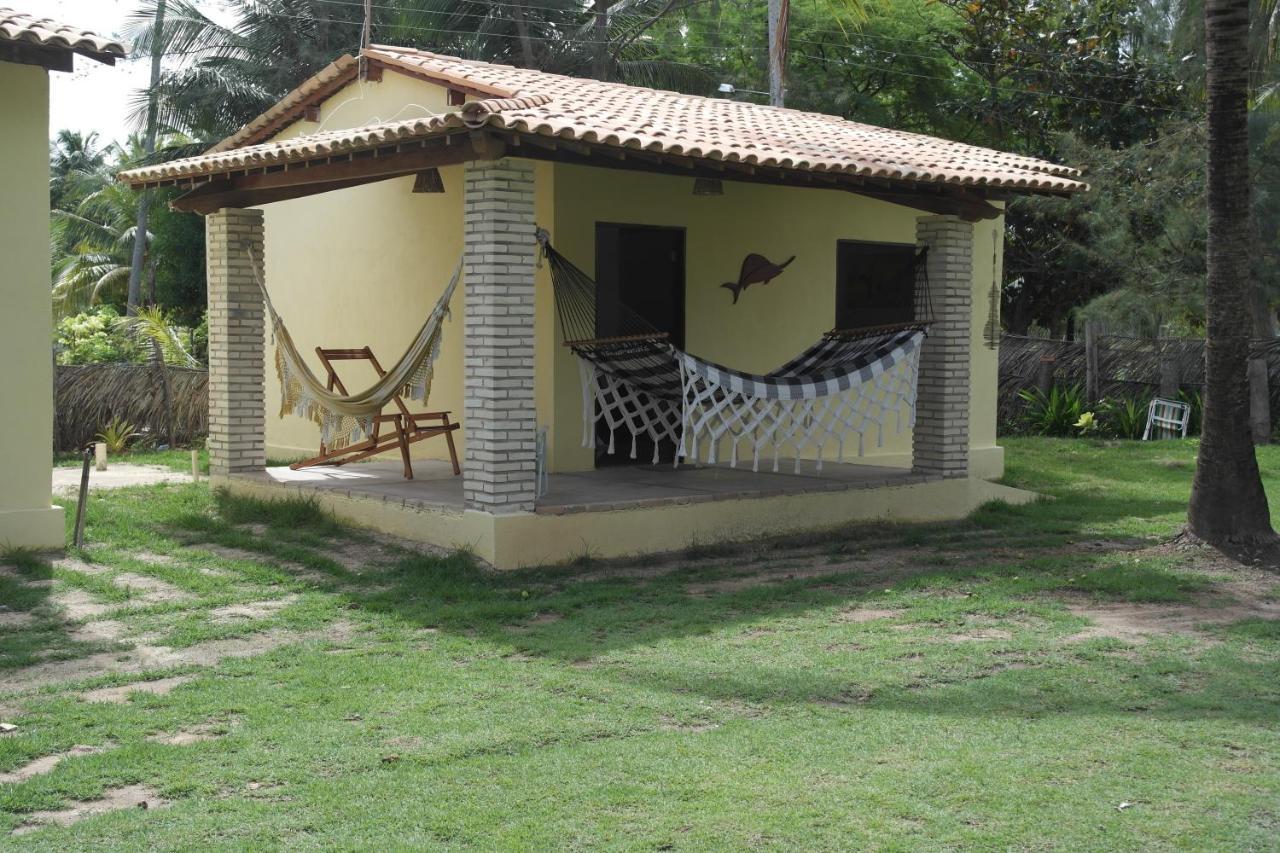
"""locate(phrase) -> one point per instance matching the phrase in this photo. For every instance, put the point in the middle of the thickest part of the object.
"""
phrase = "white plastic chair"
(1169, 417)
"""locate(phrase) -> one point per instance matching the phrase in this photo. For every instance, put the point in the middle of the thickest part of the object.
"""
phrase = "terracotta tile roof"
(631, 117)
(46, 32)
(319, 86)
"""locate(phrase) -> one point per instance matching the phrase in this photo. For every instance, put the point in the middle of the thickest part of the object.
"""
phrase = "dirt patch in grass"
(142, 589)
(980, 635)
(144, 657)
(77, 604)
(15, 619)
(250, 610)
(100, 631)
(44, 764)
(120, 695)
(186, 737)
(849, 698)
(867, 614)
(1137, 621)
(154, 559)
(546, 617)
(671, 724)
(113, 799)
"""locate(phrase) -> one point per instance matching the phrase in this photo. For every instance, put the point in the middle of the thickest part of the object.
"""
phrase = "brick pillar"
(500, 418)
(236, 402)
(940, 441)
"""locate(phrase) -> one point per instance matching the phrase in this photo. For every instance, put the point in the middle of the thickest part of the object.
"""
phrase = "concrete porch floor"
(627, 510)
(607, 488)
(616, 487)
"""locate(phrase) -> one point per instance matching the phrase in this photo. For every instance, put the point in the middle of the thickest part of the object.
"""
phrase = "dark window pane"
(875, 284)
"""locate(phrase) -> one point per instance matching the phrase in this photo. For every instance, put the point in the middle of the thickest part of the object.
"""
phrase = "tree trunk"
(779, 14)
(1228, 505)
(599, 62)
(522, 33)
(148, 146)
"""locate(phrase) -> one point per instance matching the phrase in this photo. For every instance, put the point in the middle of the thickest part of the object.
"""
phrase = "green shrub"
(1124, 417)
(117, 435)
(1055, 413)
(94, 337)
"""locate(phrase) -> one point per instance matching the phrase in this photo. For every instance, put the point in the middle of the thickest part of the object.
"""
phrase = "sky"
(97, 97)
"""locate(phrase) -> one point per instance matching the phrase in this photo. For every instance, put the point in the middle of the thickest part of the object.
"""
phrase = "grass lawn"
(1050, 676)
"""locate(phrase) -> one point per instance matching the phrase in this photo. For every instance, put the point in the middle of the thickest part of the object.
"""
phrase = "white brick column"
(236, 402)
(499, 414)
(940, 441)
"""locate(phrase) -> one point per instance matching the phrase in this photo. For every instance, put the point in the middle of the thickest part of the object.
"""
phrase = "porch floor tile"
(615, 487)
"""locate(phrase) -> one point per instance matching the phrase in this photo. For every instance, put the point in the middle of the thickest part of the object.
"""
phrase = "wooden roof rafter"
(250, 186)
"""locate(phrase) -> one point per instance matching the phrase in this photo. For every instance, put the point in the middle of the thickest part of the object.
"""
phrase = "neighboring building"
(655, 194)
(30, 47)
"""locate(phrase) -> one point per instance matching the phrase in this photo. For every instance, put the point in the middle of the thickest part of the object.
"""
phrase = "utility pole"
(366, 35)
(779, 13)
(600, 34)
(148, 148)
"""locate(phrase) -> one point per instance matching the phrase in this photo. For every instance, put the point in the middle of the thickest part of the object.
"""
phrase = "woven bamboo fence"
(88, 396)
(1127, 367)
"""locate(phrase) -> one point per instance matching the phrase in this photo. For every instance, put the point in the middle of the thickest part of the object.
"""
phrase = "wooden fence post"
(1092, 382)
(1170, 378)
(1044, 373)
(1259, 401)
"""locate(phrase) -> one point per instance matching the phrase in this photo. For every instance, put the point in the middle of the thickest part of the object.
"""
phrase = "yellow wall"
(771, 323)
(27, 518)
(365, 266)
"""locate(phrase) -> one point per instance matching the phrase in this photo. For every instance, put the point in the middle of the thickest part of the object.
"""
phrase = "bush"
(1124, 418)
(1055, 413)
(94, 337)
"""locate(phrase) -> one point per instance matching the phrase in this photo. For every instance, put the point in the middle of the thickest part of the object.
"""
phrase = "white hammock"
(812, 404)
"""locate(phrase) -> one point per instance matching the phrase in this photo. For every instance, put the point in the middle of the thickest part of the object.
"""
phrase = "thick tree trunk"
(1228, 505)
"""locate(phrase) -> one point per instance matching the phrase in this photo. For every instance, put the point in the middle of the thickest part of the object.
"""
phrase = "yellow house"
(30, 47)
(353, 199)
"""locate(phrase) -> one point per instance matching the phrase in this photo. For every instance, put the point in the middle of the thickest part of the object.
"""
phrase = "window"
(875, 284)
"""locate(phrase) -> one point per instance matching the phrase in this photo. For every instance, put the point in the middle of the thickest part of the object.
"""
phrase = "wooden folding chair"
(406, 428)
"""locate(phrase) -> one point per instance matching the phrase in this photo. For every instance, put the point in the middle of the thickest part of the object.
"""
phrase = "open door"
(641, 267)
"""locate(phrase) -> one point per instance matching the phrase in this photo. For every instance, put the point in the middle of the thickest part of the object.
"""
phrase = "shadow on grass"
(1001, 566)
(601, 616)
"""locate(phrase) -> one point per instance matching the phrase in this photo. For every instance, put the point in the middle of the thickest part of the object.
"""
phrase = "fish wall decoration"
(756, 269)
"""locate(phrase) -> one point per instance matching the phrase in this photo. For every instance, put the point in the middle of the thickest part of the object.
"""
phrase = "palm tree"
(97, 241)
(1228, 505)
(234, 73)
(72, 154)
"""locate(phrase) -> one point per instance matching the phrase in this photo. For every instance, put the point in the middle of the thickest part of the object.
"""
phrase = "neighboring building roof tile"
(632, 117)
(46, 32)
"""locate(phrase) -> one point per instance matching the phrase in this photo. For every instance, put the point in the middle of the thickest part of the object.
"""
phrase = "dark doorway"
(641, 268)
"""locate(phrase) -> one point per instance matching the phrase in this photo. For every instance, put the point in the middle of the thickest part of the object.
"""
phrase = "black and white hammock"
(637, 382)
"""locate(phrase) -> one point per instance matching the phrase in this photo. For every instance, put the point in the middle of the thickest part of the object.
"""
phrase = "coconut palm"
(1228, 504)
(93, 242)
(232, 74)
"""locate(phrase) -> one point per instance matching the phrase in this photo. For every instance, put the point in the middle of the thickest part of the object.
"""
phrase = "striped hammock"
(846, 385)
